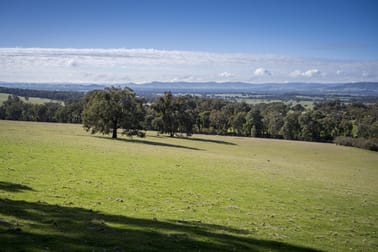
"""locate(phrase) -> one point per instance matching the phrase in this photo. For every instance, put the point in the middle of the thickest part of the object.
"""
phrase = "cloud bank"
(113, 66)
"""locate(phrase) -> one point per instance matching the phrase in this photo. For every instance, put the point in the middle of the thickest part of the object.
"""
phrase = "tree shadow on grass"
(11, 187)
(39, 226)
(207, 140)
(142, 141)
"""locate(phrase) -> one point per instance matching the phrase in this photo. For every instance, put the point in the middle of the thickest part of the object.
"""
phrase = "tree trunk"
(114, 133)
(199, 128)
(114, 136)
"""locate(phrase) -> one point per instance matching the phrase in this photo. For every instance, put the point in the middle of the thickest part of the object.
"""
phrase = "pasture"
(33, 100)
(64, 189)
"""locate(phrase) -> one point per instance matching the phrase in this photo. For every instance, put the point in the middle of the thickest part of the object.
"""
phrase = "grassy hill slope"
(64, 189)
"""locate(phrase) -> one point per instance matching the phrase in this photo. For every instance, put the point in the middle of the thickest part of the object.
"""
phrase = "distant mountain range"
(354, 89)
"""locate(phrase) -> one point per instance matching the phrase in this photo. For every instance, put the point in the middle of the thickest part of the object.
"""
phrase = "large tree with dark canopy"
(110, 109)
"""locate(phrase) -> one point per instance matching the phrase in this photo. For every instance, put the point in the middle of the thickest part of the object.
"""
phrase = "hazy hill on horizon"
(358, 88)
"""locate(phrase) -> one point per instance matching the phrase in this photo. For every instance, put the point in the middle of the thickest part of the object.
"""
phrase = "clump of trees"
(173, 114)
(356, 124)
(16, 109)
(107, 110)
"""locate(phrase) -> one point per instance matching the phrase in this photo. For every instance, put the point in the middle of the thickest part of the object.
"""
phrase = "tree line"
(53, 95)
(108, 110)
(16, 109)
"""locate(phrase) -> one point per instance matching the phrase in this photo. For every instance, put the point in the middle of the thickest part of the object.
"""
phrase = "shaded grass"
(252, 194)
(207, 140)
(73, 228)
(12, 187)
(143, 141)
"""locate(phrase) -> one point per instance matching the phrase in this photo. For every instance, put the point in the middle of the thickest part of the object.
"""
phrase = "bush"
(133, 132)
(141, 134)
(369, 144)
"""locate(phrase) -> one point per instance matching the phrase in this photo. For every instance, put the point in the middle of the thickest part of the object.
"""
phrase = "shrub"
(369, 144)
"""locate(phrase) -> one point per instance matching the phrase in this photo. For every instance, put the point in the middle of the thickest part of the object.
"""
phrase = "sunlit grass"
(313, 195)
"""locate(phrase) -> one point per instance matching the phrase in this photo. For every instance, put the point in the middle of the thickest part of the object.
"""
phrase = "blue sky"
(323, 41)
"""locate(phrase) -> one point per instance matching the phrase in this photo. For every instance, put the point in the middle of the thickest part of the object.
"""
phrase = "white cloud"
(311, 73)
(146, 65)
(339, 72)
(262, 72)
(308, 73)
(225, 75)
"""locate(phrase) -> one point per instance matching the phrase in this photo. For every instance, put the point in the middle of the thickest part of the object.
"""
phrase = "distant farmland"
(34, 100)
(64, 189)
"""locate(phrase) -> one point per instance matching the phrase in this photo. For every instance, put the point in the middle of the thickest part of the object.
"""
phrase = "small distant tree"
(254, 125)
(203, 121)
(291, 129)
(110, 109)
(238, 122)
(13, 108)
(70, 112)
(166, 111)
(2, 112)
(175, 114)
(310, 125)
(186, 114)
(219, 121)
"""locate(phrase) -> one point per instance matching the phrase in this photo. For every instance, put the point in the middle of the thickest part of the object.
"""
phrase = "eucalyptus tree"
(110, 109)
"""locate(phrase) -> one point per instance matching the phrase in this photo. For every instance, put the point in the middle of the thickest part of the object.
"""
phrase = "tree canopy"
(175, 114)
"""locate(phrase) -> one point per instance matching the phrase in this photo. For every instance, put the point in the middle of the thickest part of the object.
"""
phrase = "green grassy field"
(62, 189)
(34, 100)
